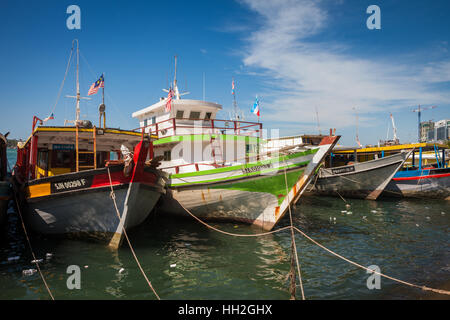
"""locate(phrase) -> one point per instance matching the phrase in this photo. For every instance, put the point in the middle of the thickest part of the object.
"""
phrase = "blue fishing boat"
(426, 174)
(418, 181)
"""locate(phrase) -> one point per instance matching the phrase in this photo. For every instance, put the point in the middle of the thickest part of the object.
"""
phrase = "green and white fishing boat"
(218, 169)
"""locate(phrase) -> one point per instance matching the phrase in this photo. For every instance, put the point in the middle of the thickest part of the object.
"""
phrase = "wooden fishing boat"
(66, 175)
(364, 180)
(428, 182)
(5, 185)
(219, 169)
(425, 174)
(71, 186)
(257, 193)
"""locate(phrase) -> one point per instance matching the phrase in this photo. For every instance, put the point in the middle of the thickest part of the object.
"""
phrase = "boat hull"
(365, 180)
(254, 193)
(427, 183)
(83, 205)
(231, 201)
(5, 195)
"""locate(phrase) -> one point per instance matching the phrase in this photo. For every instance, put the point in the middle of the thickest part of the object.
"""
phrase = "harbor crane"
(394, 128)
(419, 112)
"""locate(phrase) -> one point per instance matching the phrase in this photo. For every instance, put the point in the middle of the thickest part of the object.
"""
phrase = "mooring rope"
(318, 244)
(293, 236)
(31, 248)
(230, 233)
(367, 269)
(113, 197)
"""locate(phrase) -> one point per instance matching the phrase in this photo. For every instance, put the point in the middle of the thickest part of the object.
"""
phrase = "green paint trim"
(275, 185)
(301, 164)
(249, 165)
(205, 137)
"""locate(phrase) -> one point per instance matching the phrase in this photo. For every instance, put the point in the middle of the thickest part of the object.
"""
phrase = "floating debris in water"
(347, 205)
(443, 213)
(173, 265)
(13, 258)
(365, 217)
(417, 225)
(86, 267)
(29, 272)
(349, 212)
(121, 270)
(37, 261)
(343, 211)
(373, 211)
(428, 218)
(48, 256)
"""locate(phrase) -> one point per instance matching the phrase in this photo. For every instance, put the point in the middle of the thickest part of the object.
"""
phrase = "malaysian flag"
(169, 100)
(100, 83)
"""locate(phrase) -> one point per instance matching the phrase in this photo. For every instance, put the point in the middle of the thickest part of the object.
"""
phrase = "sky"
(314, 65)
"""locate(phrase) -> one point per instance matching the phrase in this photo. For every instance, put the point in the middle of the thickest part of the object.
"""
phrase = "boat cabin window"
(167, 156)
(153, 120)
(194, 115)
(63, 158)
(208, 115)
(42, 159)
(145, 122)
(180, 114)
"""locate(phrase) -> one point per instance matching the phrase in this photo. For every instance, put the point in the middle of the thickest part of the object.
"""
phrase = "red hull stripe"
(424, 177)
(117, 178)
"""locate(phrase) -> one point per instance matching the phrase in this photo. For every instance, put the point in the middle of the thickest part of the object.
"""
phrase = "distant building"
(435, 131)
(425, 128)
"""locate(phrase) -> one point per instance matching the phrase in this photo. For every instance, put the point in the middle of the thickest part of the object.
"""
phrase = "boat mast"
(78, 83)
(175, 85)
(78, 97)
(357, 138)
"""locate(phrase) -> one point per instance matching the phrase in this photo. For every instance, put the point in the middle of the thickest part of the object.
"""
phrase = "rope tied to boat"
(293, 245)
(113, 197)
(425, 288)
(35, 260)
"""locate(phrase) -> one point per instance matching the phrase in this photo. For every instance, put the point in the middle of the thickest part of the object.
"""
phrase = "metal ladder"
(78, 152)
(215, 145)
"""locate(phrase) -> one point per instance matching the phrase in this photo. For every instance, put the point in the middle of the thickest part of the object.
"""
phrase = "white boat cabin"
(191, 138)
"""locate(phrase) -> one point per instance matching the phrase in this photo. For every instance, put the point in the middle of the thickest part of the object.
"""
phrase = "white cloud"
(305, 73)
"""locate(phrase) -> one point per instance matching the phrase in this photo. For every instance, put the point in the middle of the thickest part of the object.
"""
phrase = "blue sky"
(295, 55)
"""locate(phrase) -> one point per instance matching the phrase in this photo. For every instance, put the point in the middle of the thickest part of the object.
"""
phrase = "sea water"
(406, 239)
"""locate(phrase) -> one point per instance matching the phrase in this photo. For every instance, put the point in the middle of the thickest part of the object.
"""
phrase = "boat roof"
(106, 139)
(177, 103)
(425, 146)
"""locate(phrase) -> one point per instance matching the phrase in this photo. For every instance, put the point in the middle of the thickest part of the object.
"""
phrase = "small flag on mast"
(255, 108)
(169, 100)
(50, 117)
(100, 83)
(232, 86)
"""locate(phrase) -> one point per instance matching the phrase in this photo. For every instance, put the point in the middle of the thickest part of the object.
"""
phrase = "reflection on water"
(407, 239)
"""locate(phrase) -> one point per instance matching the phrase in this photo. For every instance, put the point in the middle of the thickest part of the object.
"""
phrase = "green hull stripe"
(249, 165)
(205, 137)
(301, 164)
(275, 185)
